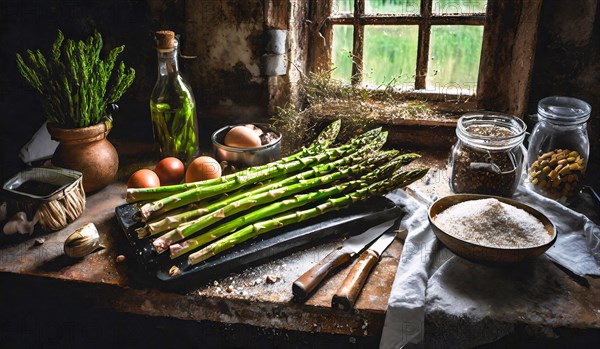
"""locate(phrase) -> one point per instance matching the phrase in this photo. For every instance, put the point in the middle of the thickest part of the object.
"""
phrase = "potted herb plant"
(77, 89)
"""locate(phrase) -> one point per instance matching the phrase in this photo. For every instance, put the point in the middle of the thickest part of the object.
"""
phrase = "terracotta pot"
(88, 151)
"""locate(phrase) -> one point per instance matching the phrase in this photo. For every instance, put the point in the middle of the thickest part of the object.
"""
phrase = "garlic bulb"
(19, 223)
(83, 241)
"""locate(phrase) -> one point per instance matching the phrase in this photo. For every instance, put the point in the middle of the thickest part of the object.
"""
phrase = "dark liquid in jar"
(37, 188)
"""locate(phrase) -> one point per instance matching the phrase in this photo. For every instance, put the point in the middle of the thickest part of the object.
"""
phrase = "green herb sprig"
(74, 84)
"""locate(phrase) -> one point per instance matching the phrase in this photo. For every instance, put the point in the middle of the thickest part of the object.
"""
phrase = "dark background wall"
(34, 24)
(226, 36)
(567, 63)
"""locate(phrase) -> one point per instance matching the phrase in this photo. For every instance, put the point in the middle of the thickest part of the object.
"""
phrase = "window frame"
(424, 20)
(506, 64)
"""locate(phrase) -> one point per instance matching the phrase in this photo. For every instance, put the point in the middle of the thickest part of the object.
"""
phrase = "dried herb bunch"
(324, 98)
(74, 84)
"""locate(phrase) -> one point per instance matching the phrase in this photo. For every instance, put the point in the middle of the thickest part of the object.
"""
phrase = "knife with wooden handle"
(306, 283)
(347, 294)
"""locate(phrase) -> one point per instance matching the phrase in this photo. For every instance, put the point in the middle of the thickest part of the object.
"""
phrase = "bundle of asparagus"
(75, 85)
(184, 218)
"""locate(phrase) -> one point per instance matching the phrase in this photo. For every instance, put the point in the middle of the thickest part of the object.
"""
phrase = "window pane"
(405, 7)
(445, 7)
(341, 53)
(390, 53)
(342, 6)
(454, 54)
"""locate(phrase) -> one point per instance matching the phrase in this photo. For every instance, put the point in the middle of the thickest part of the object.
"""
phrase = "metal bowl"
(245, 157)
(479, 253)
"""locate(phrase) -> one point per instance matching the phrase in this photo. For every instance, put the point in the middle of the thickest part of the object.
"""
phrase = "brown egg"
(143, 178)
(255, 128)
(202, 168)
(242, 137)
(169, 170)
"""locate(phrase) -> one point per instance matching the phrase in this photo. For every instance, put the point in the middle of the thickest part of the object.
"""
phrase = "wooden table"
(241, 298)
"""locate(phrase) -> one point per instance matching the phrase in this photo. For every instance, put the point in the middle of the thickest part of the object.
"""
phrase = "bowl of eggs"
(246, 145)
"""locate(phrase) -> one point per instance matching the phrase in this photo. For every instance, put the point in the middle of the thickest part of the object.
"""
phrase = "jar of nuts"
(559, 147)
(488, 156)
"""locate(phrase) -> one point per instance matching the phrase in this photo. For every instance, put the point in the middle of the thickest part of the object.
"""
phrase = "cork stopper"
(165, 39)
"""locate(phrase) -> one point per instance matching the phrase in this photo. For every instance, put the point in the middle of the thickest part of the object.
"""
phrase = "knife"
(306, 283)
(346, 295)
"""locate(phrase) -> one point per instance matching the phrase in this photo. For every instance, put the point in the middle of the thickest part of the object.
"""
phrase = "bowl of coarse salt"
(491, 229)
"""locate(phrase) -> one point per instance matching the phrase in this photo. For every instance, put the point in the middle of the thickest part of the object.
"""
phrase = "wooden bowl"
(479, 253)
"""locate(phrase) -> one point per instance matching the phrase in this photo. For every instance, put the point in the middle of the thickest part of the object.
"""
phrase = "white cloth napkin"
(427, 267)
(40, 147)
(405, 316)
(577, 246)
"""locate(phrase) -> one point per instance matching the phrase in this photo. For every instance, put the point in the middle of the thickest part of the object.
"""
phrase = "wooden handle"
(346, 295)
(309, 280)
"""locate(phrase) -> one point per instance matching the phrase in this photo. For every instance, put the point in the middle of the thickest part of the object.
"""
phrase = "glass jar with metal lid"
(559, 147)
(489, 154)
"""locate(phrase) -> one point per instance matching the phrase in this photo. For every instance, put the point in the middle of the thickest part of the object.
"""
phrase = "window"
(426, 45)
(507, 47)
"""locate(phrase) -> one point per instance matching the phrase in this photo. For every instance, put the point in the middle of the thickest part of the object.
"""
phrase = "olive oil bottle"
(172, 104)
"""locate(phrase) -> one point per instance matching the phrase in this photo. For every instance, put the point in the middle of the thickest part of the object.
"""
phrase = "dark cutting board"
(350, 221)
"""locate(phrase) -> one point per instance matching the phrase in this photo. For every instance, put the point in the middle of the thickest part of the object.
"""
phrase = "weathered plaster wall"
(568, 62)
(226, 36)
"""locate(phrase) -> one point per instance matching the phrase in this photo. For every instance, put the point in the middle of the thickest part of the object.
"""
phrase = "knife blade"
(306, 283)
(347, 294)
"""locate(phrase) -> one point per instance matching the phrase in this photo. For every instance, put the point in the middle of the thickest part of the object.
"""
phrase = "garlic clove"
(19, 216)
(82, 241)
(19, 223)
(10, 227)
(25, 228)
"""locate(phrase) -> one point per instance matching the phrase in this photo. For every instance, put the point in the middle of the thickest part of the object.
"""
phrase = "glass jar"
(559, 147)
(172, 105)
(488, 156)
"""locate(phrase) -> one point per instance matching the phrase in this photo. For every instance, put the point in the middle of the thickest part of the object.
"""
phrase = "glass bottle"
(489, 154)
(172, 104)
(559, 147)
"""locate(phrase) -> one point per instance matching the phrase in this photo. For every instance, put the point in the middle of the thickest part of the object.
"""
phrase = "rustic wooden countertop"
(244, 297)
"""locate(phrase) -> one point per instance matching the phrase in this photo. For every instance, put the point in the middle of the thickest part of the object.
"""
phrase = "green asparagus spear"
(172, 221)
(242, 179)
(280, 207)
(324, 139)
(189, 245)
(165, 240)
(255, 229)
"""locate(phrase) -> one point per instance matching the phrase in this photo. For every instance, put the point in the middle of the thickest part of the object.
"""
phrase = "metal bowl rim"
(241, 150)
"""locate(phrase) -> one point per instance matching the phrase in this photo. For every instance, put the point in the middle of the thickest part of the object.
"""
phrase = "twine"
(58, 213)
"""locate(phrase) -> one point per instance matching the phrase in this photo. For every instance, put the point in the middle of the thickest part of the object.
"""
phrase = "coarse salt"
(491, 223)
